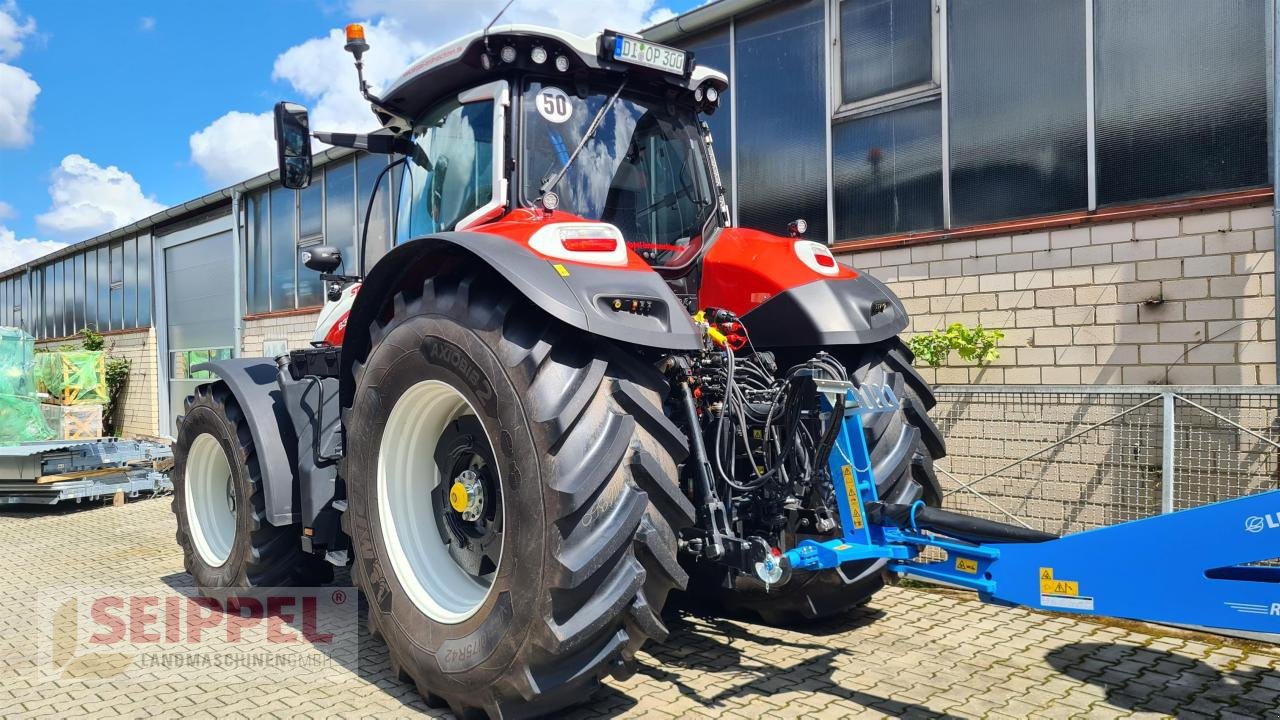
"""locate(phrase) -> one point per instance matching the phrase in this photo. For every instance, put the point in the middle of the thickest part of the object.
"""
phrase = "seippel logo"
(1258, 523)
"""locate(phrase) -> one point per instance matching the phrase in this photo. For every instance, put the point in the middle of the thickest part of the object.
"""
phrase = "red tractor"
(569, 389)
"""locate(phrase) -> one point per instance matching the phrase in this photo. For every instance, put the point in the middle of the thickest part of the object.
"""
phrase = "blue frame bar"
(1184, 568)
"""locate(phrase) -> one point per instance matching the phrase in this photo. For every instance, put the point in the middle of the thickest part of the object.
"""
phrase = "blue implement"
(1191, 567)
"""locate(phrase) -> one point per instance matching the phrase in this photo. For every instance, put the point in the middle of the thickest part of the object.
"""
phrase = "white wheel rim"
(407, 475)
(210, 499)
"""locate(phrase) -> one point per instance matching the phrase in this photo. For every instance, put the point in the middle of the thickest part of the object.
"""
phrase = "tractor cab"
(522, 123)
(600, 129)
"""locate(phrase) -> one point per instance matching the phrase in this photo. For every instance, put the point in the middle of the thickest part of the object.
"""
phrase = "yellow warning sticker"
(850, 488)
(1069, 588)
(1046, 573)
(966, 565)
(564, 272)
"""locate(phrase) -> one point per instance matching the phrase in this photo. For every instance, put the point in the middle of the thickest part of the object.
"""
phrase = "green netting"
(20, 416)
(73, 377)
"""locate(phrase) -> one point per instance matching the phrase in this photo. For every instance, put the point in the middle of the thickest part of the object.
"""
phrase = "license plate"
(659, 57)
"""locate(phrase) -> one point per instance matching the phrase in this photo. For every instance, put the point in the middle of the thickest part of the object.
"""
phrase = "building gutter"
(699, 19)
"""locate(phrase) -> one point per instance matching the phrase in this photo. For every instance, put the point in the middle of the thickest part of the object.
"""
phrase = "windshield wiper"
(590, 133)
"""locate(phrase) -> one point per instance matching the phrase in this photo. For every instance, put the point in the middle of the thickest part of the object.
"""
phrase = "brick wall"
(1182, 300)
(296, 330)
(140, 410)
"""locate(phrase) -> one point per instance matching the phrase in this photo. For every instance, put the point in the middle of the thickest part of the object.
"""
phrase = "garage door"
(200, 305)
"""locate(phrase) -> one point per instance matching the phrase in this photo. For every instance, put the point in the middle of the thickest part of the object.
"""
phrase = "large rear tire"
(226, 540)
(579, 458)
(903, 447)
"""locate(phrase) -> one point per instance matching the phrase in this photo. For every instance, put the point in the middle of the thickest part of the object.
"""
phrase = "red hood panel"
(746, 267)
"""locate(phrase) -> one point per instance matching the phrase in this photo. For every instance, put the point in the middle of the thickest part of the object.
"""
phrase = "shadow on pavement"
(715, 646)
(1143, 679)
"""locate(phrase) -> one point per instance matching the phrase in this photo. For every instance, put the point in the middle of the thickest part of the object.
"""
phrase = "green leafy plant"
(931, 348)
(118, 370)
(971, 343)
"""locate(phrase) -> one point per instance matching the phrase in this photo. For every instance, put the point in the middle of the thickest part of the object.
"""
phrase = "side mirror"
(322, 258)
(293, 145)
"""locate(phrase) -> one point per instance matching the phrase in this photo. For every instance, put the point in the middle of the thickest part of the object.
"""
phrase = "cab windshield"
(643, 171)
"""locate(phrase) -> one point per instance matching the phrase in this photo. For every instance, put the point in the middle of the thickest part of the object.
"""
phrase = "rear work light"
(594, 243)
(817, 257)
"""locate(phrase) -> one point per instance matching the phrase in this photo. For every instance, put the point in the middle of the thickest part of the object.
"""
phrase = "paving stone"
(910, 654)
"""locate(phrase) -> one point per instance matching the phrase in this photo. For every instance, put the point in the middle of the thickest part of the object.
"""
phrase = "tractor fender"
(854, 311)
(252, 381)
(576, 294)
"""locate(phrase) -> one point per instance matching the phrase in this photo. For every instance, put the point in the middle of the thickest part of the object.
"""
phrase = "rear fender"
(252, 381)
(574, 293)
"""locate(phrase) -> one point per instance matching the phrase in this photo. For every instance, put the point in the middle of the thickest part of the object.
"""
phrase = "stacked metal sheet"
(50, 472)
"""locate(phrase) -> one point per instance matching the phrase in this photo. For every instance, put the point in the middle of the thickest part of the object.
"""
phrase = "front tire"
(578, 457)
(226, 540)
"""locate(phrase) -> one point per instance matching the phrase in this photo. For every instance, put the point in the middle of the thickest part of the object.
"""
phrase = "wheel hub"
(466, 497)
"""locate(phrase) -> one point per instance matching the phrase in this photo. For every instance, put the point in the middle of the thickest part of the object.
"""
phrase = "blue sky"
(142, 105)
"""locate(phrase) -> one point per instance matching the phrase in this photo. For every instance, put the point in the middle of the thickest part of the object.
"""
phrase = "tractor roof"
(458, 66)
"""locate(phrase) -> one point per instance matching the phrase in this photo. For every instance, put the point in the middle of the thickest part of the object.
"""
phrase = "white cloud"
(239, 145)
(7, 211)
(89, 199)
(16, 104)
(234, 147)
(14, 251)
(13, 29)
(147, 24)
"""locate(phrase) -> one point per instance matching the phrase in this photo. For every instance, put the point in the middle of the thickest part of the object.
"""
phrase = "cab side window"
(456, 178)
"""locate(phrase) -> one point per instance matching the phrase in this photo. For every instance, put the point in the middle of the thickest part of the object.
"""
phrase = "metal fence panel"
(1070, 458)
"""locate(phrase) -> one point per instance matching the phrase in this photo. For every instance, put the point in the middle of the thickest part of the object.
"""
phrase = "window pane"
(1016, 70)
(888, 172)
(712, 50)
(885, 45)
(90, 260)
(340, 211)
(104, 288)
(130, 283)
(311, 232)
(310, 289)
(117, 286)
(144, 281)
(782, 167)
(311, 208)
(283, 246)
(59, 304)
(259, 254)
(1181, 92)
(77, 287)
(379, 240)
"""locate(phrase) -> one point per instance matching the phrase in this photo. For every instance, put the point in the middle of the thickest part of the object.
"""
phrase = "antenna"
(495, 17)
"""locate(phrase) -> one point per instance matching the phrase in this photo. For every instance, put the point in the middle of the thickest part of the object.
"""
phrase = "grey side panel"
(253, 383)
(312, 403)
(582, 297)
(859, 311)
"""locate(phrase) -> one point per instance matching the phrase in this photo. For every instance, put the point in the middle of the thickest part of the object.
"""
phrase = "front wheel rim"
(416, 530)
(211, 500)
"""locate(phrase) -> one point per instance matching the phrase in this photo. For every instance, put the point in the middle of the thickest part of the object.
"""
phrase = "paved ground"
(911, 653)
